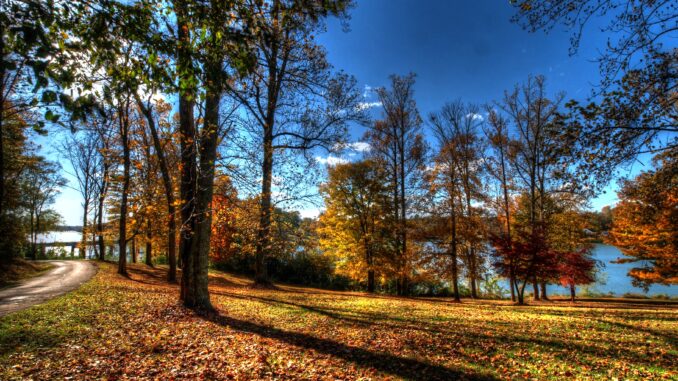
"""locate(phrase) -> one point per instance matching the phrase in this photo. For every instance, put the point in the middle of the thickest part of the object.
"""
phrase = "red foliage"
(576, 267)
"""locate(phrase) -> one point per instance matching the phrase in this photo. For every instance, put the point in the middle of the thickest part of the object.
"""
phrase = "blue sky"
(458, 49)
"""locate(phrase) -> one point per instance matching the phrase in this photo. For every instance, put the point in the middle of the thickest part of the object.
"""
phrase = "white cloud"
(360, 146)
(475, 117)
(368, 105)
(355, 146)
(331, 160)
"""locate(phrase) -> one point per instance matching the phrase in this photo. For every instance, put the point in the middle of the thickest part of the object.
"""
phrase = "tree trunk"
(453, 254)
(83, 244)
(521, 292)
(370, 269)
(122, 237)
(536, 289)
(134, 250)
(263, 234)
(169, 192)
(100, 216)
(188, 143)
(198, 296)
(472, 276)
(512, 280)
(403, 219)
(572, 293)
(148, 252)
(543, 291)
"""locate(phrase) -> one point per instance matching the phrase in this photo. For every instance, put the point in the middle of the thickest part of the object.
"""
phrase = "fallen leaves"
(117, 328)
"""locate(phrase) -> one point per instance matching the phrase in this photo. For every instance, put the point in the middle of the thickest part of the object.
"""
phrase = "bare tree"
(398, 145)
(500, 172)
(80, 149)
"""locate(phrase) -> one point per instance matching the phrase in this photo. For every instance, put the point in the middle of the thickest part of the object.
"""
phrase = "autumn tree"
(500, 174)
(353, 221)
(163, 149)
(535, 151)
(576, 267)
(398, 147)
(456, 129)
(644, 222)
(294, 101)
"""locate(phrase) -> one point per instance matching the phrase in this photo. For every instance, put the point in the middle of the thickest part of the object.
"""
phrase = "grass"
(119, 328)
(20, 269)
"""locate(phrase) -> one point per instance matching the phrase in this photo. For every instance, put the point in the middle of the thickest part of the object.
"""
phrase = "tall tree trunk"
(134, 250)
(83, 244)
(472, 276)
(512, 282)
(521, 292)
(370, 268)
(169, 192)
(263, 233)
(572, 293)
(453, 253)
(403, 220)
(188, 143)
(148, 252)
(198, 296)
(100, 215)
(122, 235)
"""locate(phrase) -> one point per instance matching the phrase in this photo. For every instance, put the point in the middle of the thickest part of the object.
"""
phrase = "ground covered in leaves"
(19, 269)
(118, 328)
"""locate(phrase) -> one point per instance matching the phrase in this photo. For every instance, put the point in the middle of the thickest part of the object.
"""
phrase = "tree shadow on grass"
(555, 344)
(402, 367)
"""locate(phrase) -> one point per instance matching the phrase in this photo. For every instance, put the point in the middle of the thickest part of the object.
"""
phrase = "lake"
(613, 277)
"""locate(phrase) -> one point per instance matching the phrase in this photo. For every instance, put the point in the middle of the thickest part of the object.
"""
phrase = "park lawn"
(118, 328)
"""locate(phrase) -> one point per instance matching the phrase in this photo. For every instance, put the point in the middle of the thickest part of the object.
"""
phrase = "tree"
(644, 222)
(80, 150)
(398, 146)
(635, 107)
(535, 151)
(40, 183)
(456, 129)
(160, 150)
(16, 155)
(293, 100)
(355, 202)
(576, 267)
(500, 172)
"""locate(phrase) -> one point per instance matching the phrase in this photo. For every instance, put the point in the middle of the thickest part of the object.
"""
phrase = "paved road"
(64, 277)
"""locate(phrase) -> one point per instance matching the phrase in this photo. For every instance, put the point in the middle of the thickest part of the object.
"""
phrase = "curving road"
(64, 277)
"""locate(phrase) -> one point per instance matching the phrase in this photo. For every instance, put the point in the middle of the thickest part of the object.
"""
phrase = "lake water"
(612, 278)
